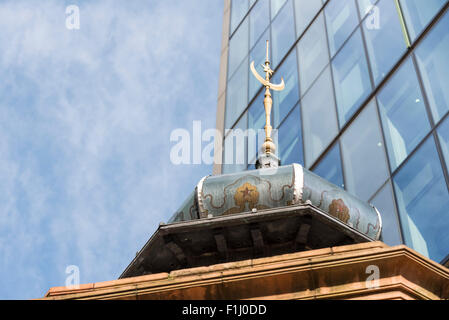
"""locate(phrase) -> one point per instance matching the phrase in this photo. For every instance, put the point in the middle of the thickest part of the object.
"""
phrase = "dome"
(269, 188)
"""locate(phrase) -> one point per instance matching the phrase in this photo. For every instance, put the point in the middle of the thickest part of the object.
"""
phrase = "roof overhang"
(241, 236)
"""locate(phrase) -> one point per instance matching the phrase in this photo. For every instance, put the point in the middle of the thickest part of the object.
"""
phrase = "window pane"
(432, 56)
(385, 42)
(285, 100)
(342, 19)
(366, 7)
(319, 130)
(443, 134)
(256, 121)
(403, 114)
(418, 14)
(364, 156)
(276, 5)
(259, 18)
(384, 202)
(351, 78)
(238, 48)
(234, 155)
(258, 55)
(305, 11)
(313, 54)
(330, 167)
(237, 94)
(238, 10)
(290, 139)
(283, 33)
(423, 200)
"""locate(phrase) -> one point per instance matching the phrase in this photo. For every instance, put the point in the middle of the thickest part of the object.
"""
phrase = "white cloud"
(85, 123)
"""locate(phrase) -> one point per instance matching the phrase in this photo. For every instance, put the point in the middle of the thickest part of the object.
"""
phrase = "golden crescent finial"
(258, 77)
(268, 146)
(267, 83)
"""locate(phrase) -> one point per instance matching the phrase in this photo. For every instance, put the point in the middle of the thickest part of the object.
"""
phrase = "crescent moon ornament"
(268, 146)
(278, 87)
(267, 83)
(258, 77)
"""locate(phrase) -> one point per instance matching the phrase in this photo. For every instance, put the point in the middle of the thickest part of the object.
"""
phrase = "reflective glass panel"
(284, 101)
(276, 5)
(366, 7)
(258, 55)
(238, 48)
(283, 33)
(313, 54)
(330, 167)
(256, 121)
(259, 18)
(234, 155)
(432, 56)
(290, 139)
(364, 158)
(418, 14)
(237, 94)
(384, 40)
(384, 203)
(305, 11)
(319, 130)
(351, 78)
(403, 114)
(423, 200)
(238, 10)
(342, 19)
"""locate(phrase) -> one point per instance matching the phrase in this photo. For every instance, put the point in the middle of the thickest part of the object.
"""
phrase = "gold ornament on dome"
(339, 210)
(247, 193)
(268, 146)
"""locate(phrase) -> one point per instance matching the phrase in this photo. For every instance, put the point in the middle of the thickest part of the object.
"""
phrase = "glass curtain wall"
(365, 106)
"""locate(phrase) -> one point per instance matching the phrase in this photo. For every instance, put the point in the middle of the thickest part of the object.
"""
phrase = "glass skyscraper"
(365, 104)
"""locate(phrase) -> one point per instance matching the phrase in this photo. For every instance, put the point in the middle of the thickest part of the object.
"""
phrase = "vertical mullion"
(299, 102)
(342, 164)
(230, 20)
(299, 105)
(294, 21)
(403, 24)
(365, 48)
(333, 85)
(326, 31)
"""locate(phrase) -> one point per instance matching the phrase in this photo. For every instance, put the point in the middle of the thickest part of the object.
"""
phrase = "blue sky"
(85, 123)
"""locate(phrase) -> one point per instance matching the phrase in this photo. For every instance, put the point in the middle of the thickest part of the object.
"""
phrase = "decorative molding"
(338, 272)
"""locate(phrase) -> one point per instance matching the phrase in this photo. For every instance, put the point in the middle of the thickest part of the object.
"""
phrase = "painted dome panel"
(245, 191)
(341, 205)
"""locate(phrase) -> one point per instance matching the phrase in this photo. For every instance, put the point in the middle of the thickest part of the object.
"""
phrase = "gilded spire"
(268, 147)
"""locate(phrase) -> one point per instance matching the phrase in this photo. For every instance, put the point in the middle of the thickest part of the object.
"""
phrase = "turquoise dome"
(269, 188)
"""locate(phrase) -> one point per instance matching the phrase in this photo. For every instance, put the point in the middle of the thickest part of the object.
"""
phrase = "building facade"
(365, 105)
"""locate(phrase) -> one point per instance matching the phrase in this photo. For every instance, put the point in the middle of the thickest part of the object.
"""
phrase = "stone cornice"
(331, 273)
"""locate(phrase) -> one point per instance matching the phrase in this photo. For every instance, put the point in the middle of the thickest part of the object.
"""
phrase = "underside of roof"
(238, 237)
